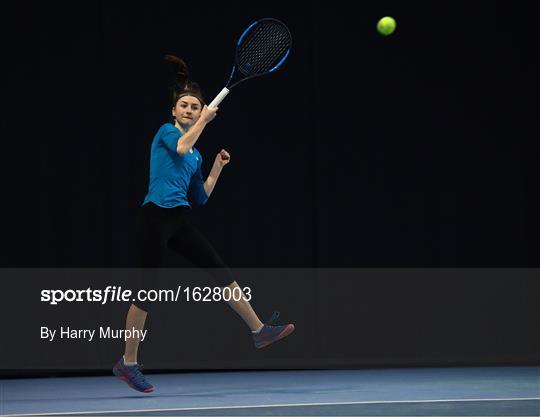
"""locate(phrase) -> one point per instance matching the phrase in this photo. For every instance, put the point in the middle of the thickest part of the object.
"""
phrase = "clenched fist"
(223, 158)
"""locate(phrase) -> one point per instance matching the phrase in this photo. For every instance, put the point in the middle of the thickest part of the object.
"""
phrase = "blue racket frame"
(235, 66)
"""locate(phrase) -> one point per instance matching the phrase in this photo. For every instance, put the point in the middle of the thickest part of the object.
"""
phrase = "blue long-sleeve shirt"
(175, 180)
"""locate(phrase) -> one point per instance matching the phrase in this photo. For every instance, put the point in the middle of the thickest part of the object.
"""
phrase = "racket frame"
(225, 91)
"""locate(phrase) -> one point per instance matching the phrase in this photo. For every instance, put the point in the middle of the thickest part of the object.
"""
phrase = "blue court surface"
(471, 391)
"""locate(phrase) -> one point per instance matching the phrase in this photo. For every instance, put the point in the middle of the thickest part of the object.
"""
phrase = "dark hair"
(182, 85)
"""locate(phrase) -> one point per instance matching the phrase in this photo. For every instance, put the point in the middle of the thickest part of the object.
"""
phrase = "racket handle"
(219, 98)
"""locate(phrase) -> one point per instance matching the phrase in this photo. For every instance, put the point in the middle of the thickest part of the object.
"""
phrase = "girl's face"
(187, 111)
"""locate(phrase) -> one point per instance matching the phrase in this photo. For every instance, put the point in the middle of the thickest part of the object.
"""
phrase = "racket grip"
(219, 98)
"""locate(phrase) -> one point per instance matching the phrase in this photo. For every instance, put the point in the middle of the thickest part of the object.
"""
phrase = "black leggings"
(168, 228)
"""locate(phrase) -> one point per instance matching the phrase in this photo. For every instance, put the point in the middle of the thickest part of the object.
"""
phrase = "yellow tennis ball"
(386, 26)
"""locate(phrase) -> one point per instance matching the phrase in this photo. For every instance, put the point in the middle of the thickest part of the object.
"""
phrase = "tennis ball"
(386, 26)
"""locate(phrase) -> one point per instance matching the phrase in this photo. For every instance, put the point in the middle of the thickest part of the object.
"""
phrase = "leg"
(135, 320)
(190, 243)
(243, 308)
(152, 229)
(127, 369)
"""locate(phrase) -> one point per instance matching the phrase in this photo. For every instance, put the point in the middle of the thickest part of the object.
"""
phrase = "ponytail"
(182, 85)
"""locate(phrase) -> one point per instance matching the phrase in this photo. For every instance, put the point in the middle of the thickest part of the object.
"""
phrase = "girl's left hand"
(223, 158)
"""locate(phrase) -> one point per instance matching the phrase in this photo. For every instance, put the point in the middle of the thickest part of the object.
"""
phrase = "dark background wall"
(417, 150)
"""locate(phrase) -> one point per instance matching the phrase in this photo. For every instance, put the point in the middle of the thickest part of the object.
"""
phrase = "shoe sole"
(286, 331)
(120, 375)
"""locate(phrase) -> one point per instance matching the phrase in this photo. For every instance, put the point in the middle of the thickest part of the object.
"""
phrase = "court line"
(203, 408)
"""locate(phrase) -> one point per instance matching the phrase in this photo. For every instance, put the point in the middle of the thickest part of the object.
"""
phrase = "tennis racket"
(262, 49)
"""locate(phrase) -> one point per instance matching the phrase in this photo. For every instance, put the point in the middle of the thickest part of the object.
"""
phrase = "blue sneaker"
(269, 333)
(132, 376)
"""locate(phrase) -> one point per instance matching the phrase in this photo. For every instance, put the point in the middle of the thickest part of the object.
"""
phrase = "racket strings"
(262, 60)
(263, 47)
(266, 46)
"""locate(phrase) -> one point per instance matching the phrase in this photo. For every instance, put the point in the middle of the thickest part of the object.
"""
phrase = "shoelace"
(273, 318)
(137, 375)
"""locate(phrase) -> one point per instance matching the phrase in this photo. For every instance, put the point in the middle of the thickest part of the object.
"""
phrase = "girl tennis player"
(176, 182)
